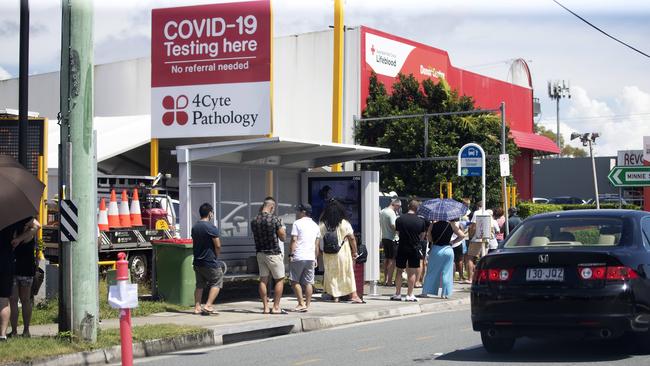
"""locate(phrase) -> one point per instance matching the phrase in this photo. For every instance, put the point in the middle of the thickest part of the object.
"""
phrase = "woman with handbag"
(440, 270)
(339, 253)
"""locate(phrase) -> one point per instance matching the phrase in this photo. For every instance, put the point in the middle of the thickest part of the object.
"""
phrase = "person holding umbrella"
(21, 191)
(445, 214)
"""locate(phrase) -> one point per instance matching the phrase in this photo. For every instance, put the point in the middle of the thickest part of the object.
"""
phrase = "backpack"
(331, 243)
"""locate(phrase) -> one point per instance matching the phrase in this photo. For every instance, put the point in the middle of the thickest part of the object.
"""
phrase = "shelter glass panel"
(234, 201)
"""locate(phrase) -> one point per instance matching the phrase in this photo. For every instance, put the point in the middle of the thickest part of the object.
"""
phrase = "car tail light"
(493, 275)
(621, 274)
(614, 273)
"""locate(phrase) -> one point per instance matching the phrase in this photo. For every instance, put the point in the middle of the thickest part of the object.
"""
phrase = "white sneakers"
(411, 298)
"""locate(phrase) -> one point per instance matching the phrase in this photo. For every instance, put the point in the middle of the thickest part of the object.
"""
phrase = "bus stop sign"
(470, 161)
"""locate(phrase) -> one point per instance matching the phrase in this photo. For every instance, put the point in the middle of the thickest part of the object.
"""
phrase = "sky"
(610, 84)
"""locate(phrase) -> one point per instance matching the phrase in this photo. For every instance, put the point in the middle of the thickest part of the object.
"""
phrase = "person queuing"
(441, 258)
(389, 238)
(24, 270)
(514, 220)
(336, 232)
(267, 232)
(412, 230)
(206, 248)
(500, 219)
(10, 238)
(305, 235)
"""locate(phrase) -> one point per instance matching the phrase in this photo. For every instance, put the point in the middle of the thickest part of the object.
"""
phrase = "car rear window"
(580, 231)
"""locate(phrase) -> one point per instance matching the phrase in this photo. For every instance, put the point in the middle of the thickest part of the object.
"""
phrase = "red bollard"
(125, 314)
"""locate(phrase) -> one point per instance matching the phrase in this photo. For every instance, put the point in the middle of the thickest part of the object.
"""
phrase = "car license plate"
(545, 274)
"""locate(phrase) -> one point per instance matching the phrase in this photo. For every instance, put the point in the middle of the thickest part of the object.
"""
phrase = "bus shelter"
(236, 176)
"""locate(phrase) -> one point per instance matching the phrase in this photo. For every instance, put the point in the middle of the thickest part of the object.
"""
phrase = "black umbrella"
(20, 192)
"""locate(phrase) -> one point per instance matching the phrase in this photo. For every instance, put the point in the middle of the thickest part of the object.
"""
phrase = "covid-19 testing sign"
(211, 70)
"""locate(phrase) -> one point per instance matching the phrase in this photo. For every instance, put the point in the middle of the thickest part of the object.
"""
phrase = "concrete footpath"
(243, 321)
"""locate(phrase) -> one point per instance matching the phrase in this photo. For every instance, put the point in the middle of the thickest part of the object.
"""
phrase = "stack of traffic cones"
(113, 213)
(125, 215)
(136, 216)
(102, 221)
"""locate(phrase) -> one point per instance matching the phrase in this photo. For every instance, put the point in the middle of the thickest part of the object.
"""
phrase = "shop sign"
(211, 70)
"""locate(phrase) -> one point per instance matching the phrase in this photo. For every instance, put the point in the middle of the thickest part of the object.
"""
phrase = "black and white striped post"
(68, 228)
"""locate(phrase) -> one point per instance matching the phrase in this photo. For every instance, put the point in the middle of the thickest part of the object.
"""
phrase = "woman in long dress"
(339, 268)
(440, 269)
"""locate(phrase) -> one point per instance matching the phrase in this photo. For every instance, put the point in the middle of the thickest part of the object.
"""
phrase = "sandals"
(281, 312)
(300, 309)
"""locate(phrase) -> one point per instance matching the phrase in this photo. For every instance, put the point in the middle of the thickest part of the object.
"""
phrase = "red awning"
(535, 142)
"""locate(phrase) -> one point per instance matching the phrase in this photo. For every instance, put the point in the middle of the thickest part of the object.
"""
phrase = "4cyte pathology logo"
(175, 110)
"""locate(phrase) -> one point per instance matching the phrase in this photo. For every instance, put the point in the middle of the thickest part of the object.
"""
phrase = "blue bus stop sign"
(470, 161)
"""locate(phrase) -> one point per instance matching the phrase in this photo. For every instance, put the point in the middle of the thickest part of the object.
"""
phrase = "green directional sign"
(630, 176)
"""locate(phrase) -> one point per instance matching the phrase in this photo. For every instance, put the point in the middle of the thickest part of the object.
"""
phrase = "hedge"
(529, 209)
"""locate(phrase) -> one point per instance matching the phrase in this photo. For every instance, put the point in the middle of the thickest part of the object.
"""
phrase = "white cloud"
(4, 74)
(622, 123)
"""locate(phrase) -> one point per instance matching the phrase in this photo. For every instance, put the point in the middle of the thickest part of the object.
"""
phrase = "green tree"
(567, 150)
(446, 134)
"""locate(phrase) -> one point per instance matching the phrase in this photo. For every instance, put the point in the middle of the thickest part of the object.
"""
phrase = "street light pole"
(590, 139)
(593, 166)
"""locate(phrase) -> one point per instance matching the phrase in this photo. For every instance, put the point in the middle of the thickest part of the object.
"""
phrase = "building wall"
(571, 177)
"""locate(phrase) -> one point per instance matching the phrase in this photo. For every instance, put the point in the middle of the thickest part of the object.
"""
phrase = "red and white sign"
(388, 55)
(211, 70)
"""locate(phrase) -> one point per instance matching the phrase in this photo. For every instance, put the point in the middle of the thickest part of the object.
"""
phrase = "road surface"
(430, 339)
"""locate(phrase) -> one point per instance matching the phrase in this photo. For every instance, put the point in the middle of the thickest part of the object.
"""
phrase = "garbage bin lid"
(173, 241)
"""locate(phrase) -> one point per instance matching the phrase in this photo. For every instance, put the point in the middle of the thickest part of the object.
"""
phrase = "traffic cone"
(136, 216)
(125, 216)
(113, 212)
(102, 222)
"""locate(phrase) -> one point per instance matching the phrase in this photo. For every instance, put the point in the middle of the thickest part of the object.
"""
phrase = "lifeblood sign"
(211, 70)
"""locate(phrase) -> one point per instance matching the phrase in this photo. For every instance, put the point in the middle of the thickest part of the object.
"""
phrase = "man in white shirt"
(389, 238)
(305, 236)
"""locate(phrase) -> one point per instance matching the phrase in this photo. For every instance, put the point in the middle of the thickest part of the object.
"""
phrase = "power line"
(601, 31)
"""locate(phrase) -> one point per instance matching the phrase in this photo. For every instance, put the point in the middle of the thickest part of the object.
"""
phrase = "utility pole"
(23, 82)
(78, 152)
(503, 179)
(557, 90)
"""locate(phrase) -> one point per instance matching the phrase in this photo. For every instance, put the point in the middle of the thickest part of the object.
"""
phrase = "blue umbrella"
(444, 209)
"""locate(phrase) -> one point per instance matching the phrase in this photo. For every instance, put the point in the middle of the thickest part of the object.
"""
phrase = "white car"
(540, 200)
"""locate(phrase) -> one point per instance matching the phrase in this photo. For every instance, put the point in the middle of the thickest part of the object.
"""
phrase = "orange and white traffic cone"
(136, 216)
(102, 221)
(125, 216)
(113, 212)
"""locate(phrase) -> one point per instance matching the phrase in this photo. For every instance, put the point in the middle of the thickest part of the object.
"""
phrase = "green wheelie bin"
(174, 275)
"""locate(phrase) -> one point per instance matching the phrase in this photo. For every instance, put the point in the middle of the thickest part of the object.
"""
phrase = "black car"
(583, 272)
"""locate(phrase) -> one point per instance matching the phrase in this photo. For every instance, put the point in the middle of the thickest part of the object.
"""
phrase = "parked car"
(608, 198)
(582, 272)
(540, 200)
(566, 200)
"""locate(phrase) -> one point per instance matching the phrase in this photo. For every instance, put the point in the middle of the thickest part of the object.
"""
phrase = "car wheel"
(493, 343)
(138, 266)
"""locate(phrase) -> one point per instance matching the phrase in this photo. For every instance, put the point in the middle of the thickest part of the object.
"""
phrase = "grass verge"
(47, 312)
(26, 349)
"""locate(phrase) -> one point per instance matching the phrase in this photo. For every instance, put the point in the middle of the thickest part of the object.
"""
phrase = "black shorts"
(458, 252)
(407, 257)
(390, 248)
(6, 284)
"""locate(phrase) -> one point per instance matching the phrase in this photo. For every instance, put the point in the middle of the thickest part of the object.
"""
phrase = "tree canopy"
(567, 150)
(446, 135)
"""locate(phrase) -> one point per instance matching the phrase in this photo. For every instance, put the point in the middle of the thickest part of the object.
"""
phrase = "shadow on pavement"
(528, 350)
